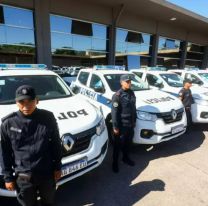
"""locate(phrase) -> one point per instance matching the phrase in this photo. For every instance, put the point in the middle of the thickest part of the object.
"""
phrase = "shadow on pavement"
(104, 188)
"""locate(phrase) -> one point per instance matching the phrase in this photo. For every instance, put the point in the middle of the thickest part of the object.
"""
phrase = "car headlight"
(146, 116)
(100, 127)
(201, 102)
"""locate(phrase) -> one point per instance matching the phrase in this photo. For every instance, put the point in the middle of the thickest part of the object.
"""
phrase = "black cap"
(187, 81)
(125, 77)
(25, 92)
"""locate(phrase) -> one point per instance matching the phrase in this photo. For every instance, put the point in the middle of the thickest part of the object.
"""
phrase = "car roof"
(19, 72)
(105, 71)
(153, 72)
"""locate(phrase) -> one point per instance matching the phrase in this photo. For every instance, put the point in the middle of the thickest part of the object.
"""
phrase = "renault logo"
(173, 114)
(68, 142)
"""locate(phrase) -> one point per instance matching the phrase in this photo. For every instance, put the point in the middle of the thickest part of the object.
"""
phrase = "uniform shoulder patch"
(8, 116)
(115, 104)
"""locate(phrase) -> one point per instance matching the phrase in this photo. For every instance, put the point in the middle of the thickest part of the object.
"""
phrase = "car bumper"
(95, 154)
(199, 113)
(160, 130)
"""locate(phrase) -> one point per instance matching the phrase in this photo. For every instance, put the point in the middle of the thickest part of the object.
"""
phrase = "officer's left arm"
(56, 144)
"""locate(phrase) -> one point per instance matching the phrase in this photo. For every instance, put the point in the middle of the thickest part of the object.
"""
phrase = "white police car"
(160, 116)
(198, 77)
(172, 83)
(81, 125)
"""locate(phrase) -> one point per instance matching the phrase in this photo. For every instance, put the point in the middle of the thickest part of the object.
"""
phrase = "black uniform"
(31, 148)
(123, 118)
(187, 100)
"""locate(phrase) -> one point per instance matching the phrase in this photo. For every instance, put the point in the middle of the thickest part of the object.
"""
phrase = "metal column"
(205, 58)
(42, 31)
(183, 54)
(154, 49)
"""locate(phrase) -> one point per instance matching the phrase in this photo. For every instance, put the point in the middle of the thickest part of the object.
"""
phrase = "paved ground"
(173, 173)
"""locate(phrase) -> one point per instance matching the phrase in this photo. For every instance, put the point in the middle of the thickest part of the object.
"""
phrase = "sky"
(197, 6)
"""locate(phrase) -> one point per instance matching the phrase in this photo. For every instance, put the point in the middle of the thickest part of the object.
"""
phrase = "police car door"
(97, 86)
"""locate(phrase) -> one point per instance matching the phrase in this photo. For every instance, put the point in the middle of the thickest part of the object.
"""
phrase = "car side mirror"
(99, 89)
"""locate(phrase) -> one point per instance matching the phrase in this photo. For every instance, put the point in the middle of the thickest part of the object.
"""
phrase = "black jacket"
(123, 109)
(30, 144)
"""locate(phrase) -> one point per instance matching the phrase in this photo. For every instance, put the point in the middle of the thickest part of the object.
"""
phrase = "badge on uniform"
(115, 104)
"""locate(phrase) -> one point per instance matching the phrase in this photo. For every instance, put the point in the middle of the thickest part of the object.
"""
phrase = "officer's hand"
(10, 186)
(57, 175)
(116, 131)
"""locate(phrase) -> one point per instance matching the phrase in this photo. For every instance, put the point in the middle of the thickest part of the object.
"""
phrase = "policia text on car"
(30, 149)
(123, 119)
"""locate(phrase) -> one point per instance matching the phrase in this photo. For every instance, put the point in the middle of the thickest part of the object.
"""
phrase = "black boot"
(128, 161)
(115, 167)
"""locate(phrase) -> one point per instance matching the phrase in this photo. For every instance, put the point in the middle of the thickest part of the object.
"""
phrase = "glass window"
(81, 43)
(18, 17)
(153, 80)
(83, 77)
(173, 80)
(99, 31)
(96, 84)
(121, 35)
(59, 41)
(113, 81)
(15, 36)
(1, 15)
(81, 28)
(193, 78)
(60, 24)
(139, 74)
(47, 87)
(204, 76)
(99, 44)
(2, 34)
(69, 37)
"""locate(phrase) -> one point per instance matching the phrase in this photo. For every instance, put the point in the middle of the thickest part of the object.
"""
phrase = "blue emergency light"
(22, 66)
(108, 67)
(192, 69)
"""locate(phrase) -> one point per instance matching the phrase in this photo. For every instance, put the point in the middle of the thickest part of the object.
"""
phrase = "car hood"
(198, 92)
(73, 114)
(156, 101)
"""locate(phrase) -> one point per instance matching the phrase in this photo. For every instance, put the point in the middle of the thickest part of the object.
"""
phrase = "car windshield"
(204, 76)
(47, 87)
(113, 81)
(173, 80)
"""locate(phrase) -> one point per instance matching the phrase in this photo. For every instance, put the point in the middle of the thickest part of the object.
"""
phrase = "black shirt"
(123, 110)
(30, 144)
(186, 97)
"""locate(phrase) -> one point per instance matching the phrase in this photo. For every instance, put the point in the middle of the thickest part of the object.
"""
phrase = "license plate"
(177, 129)
(73, 167)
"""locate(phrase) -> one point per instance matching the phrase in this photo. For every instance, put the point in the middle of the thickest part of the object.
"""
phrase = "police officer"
(185, 96)
(30, 150)
(123, 119)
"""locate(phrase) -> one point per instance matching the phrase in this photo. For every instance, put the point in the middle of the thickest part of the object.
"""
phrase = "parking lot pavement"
(172, 173)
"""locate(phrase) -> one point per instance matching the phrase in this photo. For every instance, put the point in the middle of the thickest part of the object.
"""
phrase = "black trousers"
(27, 191)
(188, 115)
(123, 143)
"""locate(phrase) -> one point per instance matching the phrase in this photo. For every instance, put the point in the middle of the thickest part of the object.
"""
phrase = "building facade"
(84, 33)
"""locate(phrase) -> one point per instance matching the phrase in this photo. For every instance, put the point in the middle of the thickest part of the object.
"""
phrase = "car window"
(193, 78)
(96, 82)
(113, 81)
(83, 77)
(46, 86)
(151, 79)
(139, 74)
(173, 80)
(154, 80)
